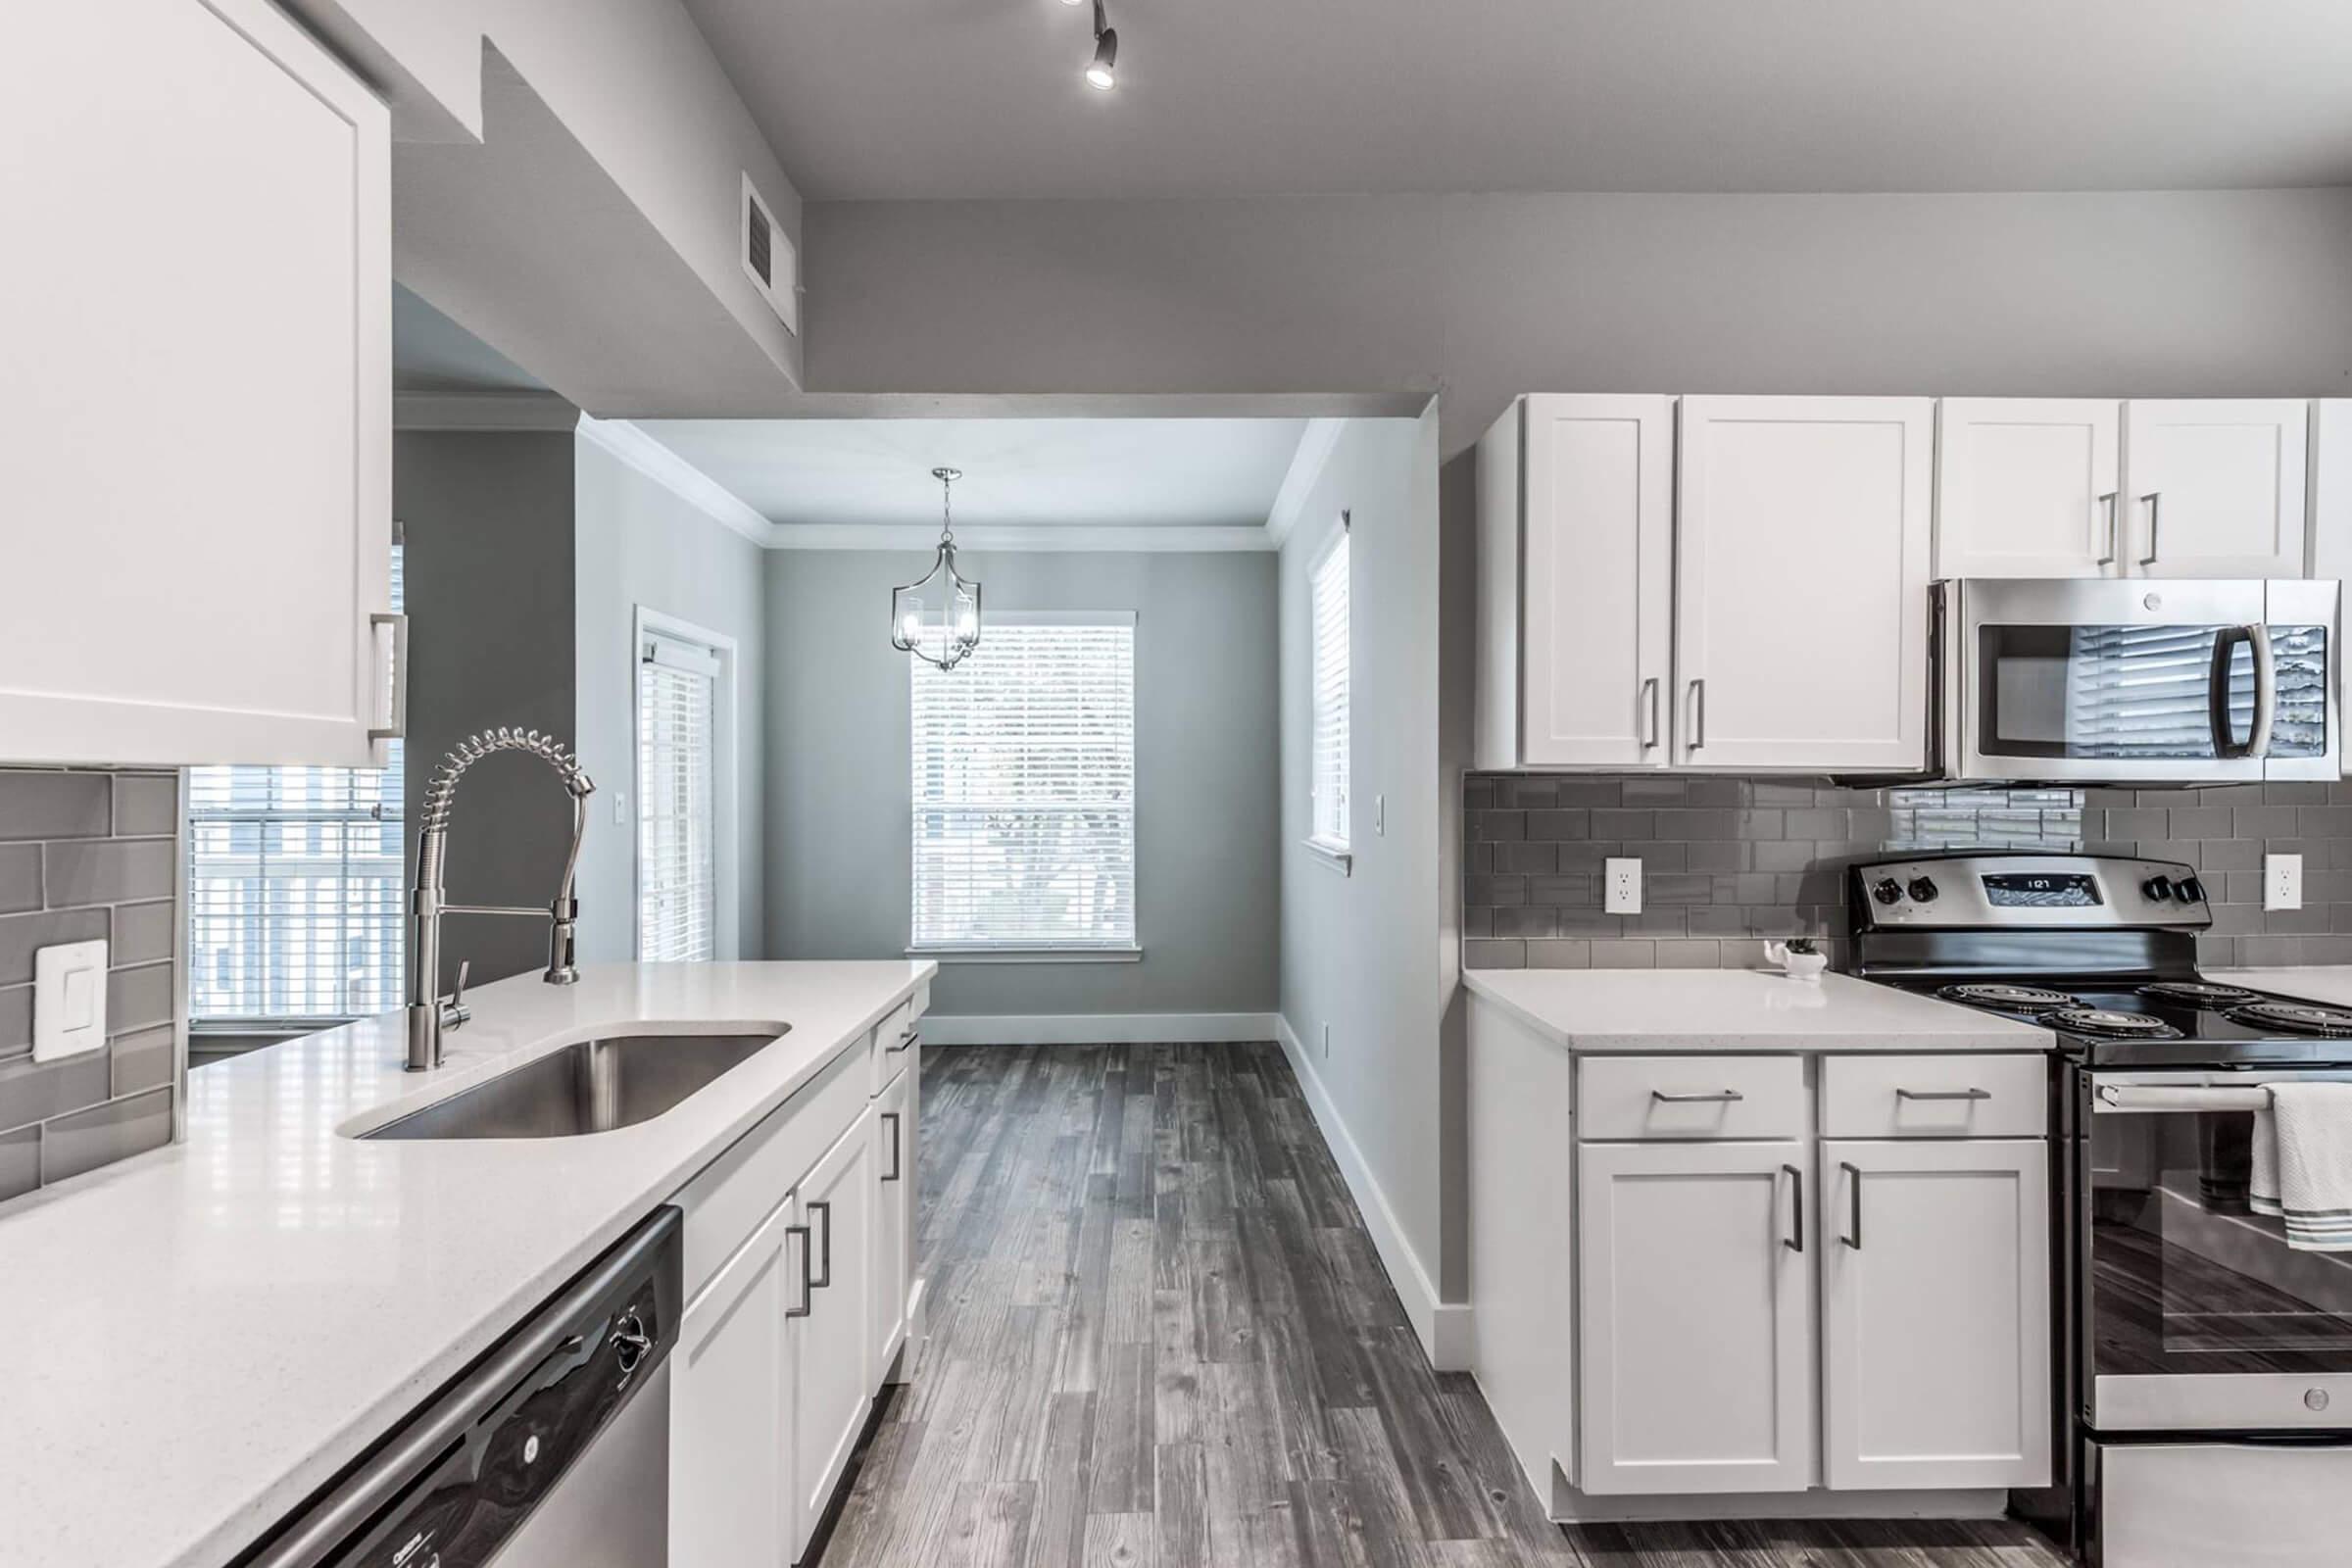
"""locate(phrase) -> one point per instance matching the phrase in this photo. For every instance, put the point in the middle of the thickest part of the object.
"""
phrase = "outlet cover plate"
(2283, 881)
(69, 999)
(1621, 886)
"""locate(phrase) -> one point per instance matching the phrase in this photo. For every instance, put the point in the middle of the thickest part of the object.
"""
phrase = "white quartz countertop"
(1653, 1010)
(2324, 982)
(205, 1334)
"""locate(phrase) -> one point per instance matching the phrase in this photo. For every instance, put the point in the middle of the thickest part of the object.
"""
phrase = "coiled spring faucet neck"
(428, 1014)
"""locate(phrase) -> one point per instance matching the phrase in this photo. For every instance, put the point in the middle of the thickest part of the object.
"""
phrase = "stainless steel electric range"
(2205, 1394)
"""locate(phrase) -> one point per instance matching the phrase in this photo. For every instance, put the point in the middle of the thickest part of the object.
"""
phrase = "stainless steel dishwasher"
(553, 1448)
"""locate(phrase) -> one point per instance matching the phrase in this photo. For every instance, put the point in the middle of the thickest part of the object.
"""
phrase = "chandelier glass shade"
(937, 617)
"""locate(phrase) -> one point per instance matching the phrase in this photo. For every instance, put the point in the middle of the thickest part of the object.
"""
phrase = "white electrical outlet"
(2283, 881)
(1621, 886)
(1327, 1042)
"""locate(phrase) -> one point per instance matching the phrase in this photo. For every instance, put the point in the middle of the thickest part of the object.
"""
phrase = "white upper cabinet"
(1801, 583)
(2216, 488)
(197, 297)
(1695, 1337)
(1587, 514)
(1935, 1302)
(2028, 487)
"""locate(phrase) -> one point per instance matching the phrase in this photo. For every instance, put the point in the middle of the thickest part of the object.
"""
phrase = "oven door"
(2196, 1315)
(2142, 681)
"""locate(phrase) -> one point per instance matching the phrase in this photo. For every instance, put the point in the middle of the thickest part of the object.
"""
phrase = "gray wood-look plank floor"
(1160, 1338)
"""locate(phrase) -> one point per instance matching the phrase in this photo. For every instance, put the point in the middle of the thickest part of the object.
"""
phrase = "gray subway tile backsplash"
(1729, 863)
(88, 853)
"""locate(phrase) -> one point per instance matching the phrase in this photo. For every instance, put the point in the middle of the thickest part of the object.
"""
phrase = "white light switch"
(2283, 881)
(69, 999)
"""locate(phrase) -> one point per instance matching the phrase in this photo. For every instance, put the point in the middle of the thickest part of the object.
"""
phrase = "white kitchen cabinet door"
(1936, 1279)
(731, 1413)
(2028, 487)
(1695, 1337)
(832, 1392)
(2216, 487)
(196, 298)
(1801, 583)
(894, 1222)
(1598, 581)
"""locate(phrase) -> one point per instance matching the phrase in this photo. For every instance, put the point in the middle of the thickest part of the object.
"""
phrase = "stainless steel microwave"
(2136, 680)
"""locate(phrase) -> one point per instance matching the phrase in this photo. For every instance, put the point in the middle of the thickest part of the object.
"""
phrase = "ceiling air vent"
(770, 260)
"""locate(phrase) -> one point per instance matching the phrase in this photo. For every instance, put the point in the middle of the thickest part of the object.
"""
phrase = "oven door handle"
(2257, 640)
(2149, 1097)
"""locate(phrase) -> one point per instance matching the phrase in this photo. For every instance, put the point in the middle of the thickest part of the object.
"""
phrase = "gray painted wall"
(1207, 869)
(487, 519)
(1361, 953)
(640, 545)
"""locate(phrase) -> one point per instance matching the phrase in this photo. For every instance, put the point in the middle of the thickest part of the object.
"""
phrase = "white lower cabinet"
(894, 1221)
(1693, 1326)
(831, 1388)
(731, 1413)
(1936, 1313)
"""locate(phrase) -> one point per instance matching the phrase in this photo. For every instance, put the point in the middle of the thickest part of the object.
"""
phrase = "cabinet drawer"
(891, 1045)
(728, 1198)
(1690, 1097)
(1934, 1096)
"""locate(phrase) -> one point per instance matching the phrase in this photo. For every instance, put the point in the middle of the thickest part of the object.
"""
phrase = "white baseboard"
(1571, 1506)
(1097, 1028)
(1444, 1327)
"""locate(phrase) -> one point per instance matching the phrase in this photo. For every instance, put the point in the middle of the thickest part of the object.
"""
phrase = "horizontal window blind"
(1024, 789)
(1328, 781)
(678, 737)
(296, 889)
(2144, 690)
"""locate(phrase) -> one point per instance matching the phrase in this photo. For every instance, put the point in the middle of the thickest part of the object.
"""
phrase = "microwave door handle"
(2266, 691)
(2226, 744)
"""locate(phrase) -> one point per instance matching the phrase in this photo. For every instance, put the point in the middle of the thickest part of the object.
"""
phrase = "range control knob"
(2158, 888)
(2190, 890)
(1887, 890)
(1923, 889)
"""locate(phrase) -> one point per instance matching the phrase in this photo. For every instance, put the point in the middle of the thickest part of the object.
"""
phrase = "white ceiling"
(850, 475)
(982, 98)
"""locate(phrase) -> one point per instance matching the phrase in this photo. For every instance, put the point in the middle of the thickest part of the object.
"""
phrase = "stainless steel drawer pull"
(1943, 1094)
(892, 1174)
(1796, 1178)
(1696, 1096)
(824, 1263)
(801, 1231)
(1853, 1188)
(906, 1040)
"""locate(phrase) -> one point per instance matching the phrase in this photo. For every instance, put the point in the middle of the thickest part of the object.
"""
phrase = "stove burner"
(2294, 1018)
(2118, 1026)
(2007, 998)
(2197, 993)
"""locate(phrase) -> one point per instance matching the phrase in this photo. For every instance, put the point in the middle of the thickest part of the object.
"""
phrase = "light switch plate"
(69, 999)
(2283, 881)
(1621, 886)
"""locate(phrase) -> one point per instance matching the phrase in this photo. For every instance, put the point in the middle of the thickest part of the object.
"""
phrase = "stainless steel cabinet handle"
(1695, 1097)
(908, 1039)
(2108, 501)
(801, 1231)
(396, 695)
(2154, 498)
(1796, 1178)
(892, 1117)
(1853, 1189)
(824, 1265)
(1698, 713)
(1649, 704)
(1942, 1094)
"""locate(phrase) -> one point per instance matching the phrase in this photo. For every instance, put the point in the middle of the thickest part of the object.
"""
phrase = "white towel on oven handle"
(2303, 1163)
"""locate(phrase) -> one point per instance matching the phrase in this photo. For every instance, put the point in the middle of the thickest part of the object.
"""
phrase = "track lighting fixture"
(1100, 73)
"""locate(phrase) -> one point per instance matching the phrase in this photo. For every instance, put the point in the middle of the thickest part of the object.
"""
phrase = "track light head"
(1102, 74)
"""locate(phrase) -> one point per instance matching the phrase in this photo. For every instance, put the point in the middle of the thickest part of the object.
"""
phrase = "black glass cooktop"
(2180, 1021)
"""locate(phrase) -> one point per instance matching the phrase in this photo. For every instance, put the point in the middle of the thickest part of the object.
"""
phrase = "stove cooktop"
(2157, 1021)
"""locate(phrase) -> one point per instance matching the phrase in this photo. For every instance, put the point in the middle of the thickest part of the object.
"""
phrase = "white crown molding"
(1140, 538)
(1315, 446)
(690, 484)
(483, 411)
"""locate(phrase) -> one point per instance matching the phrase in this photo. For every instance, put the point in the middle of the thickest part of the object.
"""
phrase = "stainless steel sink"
(591, 1086)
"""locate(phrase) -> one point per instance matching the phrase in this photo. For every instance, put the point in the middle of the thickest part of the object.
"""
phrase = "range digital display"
(2041, 890)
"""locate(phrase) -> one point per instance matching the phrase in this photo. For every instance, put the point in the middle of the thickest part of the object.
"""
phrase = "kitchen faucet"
(429, 1014)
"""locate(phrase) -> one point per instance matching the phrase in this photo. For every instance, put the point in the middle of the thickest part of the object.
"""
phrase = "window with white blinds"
(1024, 789)
(677, 844)
(1328, 781)
(295, 890)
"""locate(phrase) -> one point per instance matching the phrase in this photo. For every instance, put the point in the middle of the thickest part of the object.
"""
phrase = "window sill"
(1028, 954)
(1336, 856)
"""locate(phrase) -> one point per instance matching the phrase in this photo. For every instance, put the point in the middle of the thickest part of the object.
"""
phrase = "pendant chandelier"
(937, 617)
